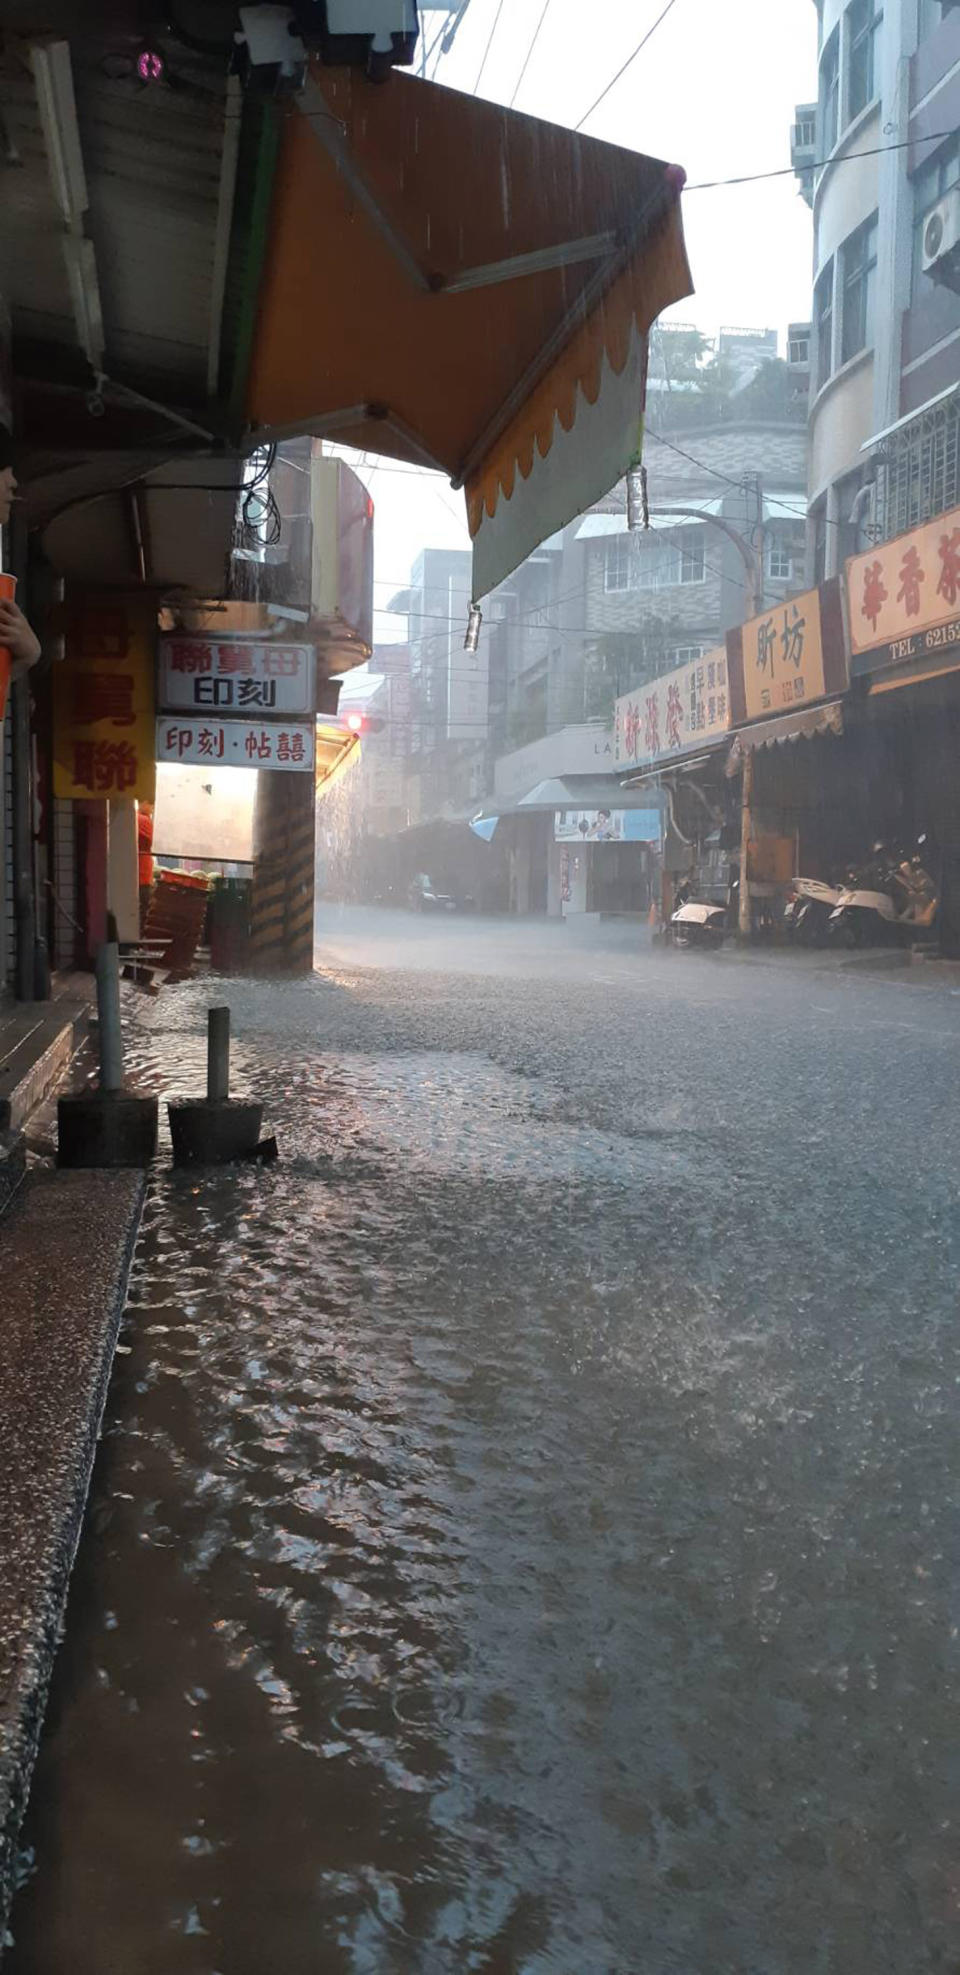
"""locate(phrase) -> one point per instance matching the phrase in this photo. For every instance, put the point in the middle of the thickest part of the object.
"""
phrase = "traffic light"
(362, 723)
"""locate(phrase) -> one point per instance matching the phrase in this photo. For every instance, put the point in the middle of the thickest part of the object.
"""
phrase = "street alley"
(523, 1533)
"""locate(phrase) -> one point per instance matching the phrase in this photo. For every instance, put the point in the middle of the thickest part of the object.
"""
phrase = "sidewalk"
(66, 1240)
(67, 1244)
(38, 1041)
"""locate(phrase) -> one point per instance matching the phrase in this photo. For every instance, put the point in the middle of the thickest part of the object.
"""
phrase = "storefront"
(903, 602)
(791, 753)
(670, 741)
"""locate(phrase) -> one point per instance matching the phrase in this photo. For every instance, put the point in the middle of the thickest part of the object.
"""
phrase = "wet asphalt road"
(525, 1534)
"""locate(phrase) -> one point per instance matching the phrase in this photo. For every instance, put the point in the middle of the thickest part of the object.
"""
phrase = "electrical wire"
(483, 64)
(536, 36)
(820, 164)
(626, 65)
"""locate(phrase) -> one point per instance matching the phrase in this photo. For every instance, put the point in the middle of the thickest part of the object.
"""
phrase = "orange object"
(390, 309)
(144, 845)
(8, 591)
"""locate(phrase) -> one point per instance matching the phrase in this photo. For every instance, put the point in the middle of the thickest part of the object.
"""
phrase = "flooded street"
(525, 1535)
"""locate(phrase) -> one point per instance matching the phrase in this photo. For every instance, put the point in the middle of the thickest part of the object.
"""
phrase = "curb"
(68, 1245)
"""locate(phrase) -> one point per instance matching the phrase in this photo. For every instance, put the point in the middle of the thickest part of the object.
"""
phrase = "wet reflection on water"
(487, 1572)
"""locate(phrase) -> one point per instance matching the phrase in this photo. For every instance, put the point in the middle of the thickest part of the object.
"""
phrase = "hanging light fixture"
(471, 641)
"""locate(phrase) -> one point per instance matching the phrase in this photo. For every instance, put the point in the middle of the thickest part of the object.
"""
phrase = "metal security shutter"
(7, 939)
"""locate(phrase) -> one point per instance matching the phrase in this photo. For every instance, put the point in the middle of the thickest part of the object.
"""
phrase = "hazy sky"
(714, 90)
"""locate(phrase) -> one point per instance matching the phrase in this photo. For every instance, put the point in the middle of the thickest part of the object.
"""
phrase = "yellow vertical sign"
(104, 715)
(783, 657)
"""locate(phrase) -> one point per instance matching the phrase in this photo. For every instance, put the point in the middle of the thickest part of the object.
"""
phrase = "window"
(684, 655)
(830, 94)
(618, 563)
(863, 26)
(780, 562)
(929, 186)
(798, 349)
(859, 263)
(649, 562)
(823, 314)
(805, 131)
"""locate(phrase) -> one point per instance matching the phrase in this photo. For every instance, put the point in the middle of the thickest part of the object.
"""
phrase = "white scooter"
(695, 924)
(907, 905)
(807, 913)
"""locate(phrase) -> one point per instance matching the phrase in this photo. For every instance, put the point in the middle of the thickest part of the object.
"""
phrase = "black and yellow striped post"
(284, 850)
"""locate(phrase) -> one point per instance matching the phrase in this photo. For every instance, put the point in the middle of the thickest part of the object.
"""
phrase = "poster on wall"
(607, 826)
(103, 701)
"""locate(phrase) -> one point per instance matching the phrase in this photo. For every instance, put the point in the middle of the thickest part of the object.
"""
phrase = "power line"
(820, 164)
(704, 468)
(627, 64)
(483, 64)
(536, 36)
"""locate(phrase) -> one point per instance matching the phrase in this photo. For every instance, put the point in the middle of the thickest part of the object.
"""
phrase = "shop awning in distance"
(798, 726)
(463, 287)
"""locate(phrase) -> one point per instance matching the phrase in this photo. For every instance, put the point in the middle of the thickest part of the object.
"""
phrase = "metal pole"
(23, 900)
(218, 1055)
(745, 819)
(753, 588)
(108, 1016)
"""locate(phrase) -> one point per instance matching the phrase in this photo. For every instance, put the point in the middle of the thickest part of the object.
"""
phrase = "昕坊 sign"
(103, 706)
(903, 597)
(788, 656)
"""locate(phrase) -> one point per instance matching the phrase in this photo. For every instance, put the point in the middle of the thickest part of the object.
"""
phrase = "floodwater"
(524, 1539)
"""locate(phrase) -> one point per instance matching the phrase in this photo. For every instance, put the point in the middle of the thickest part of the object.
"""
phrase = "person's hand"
(22, 643)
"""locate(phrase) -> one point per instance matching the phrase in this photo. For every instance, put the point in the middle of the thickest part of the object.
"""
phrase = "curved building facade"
(885, 338)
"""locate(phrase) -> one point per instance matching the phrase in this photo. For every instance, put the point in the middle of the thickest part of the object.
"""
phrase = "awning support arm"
(329, 130)
(569, 253)
(573, 319)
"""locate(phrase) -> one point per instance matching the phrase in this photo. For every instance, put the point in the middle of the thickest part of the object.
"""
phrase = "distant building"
(885, 405)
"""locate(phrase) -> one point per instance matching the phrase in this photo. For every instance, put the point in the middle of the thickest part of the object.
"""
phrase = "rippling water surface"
(524, 1536)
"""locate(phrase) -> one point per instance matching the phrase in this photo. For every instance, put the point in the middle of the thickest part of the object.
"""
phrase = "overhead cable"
(614, 79)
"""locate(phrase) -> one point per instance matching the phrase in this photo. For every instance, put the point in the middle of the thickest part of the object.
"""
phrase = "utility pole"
(752, 558)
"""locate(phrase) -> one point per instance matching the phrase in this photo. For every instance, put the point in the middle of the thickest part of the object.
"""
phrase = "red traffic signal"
(361, 723)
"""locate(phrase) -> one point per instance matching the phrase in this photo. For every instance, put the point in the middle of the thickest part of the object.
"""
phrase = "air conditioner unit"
(940, 246)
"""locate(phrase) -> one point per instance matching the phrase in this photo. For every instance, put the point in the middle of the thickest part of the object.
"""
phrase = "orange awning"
(464, 287)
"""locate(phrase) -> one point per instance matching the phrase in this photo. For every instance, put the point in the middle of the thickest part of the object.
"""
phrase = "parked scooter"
(808, 911)
(697, 922)
(891, 900)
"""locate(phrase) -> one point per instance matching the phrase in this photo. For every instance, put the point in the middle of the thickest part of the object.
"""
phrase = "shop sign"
(607, 826)
(236, 744)
(684, 709)
(788, 657)
(103, 706)
(903, 597)
(237, 675)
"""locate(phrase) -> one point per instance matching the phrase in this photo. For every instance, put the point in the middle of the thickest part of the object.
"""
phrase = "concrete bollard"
(110, 1126)
(216, 1129)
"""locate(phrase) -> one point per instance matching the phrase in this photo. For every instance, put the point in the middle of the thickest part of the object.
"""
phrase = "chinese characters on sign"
(236, 744)
(671, 715)
(239, 676)
(103, 702)
(783, 657)
(903, 597)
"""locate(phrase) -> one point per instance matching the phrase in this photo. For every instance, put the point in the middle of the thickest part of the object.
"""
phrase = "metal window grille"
(919, 470)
